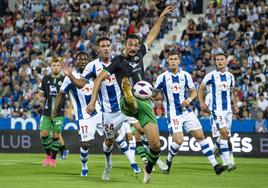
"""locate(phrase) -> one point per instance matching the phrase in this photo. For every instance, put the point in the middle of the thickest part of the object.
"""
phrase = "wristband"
(189, 99)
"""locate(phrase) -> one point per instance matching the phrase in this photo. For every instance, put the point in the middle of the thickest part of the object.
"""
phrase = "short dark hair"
(173, 52)
(132, 36)
(103, 39)
(81, 53)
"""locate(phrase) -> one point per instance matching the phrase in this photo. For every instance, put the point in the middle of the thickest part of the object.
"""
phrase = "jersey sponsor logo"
(110, 80)
(134, 65)
(175, 88)
(224, 86)
(60, 83)
(136, 58)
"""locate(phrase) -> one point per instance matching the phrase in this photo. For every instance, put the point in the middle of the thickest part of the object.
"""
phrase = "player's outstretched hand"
(166, 11)
(90, 107)
(67, 69)
(236, 109)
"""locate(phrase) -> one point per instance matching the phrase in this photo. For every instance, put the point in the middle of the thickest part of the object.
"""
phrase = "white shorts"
(88, 127)
(188, 121)
(125, 128)
(112, 122)
(220, 119)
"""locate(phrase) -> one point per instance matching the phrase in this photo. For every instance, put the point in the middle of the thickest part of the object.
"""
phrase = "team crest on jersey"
(136, 58)
(224, 86)
(175, 88)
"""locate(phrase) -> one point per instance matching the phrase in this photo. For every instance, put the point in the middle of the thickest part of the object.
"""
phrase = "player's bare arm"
(57, 104)
(235, 100)
(193, 95)
(41, 98)
(201, 97)
(69, 111)
(67, 70)
(94, 96)
(157, 26)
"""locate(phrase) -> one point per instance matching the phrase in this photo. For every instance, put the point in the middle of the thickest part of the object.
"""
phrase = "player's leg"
(193, 125)
(152, 133)
(64, 151)
(138, 132)
(57, 123)
(177, 139)
(45, 135)
(87, 129)
(228, 117)
(107, 150)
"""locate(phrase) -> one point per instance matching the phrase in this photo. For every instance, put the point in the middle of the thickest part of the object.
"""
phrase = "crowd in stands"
(238, 28)
(37, 29)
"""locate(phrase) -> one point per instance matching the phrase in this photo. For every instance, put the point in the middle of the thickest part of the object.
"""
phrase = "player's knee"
(178, 140)
(155, 145)
(43, 133)
(129, 136)
(85, 145)
(56, 136)
(109, 142)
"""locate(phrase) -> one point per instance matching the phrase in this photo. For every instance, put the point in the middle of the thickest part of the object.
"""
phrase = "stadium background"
(33, 30)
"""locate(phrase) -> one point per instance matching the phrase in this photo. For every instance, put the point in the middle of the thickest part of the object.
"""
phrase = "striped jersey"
(80, 97)
(174, 87)
(109, 94)
(221, 85)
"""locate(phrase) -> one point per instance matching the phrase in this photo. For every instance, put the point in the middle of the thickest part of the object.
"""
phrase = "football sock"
(206, 150)
(107, 152)
(84, 157)
(141, 151)
(174, 148)
(46, 142)
(224, 148)
(124, 148)
(55, 147)
(152, 157)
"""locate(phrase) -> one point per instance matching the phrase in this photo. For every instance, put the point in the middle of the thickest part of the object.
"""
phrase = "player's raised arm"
(157, 26)
(201, 97)
(97, 83)
(67, 70)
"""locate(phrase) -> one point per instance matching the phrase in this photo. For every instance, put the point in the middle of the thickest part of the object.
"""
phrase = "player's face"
(55, 67)
(132, 47)
(173, 62)
(82, 61)
(105, 49)
(221, 62)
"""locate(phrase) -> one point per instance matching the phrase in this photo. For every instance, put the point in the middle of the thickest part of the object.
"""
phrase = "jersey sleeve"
(159, 83)
(232, 82)
(189, 83)
(88, 72)
(143, 49)
(111, 69)
(207, 80)
(65, 85)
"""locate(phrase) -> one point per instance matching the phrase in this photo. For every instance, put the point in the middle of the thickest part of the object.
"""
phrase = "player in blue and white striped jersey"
(222, 88)
(109, 97)
(175, 84)
(87, 123)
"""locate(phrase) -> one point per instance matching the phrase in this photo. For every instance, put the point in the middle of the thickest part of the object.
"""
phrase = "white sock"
(132, 146)
(125, 149)
(144, 141)
(107, 153)
(84, 158)
(174, 148)
(216, 145)
(206, 150)
(225, 150)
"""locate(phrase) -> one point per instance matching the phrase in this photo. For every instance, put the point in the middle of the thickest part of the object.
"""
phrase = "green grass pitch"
(25, 170)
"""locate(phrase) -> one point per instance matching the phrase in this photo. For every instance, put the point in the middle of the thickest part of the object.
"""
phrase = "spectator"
(262, 102)
(260, 125)
(6, 111)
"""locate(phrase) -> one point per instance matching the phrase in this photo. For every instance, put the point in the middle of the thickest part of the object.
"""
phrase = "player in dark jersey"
(128, 68)
(50, 128)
